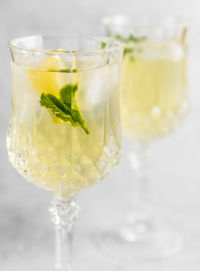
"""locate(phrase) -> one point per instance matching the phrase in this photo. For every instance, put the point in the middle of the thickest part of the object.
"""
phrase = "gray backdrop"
(26, 235)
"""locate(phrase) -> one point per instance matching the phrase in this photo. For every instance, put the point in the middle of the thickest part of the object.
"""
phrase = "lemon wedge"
(44, 79)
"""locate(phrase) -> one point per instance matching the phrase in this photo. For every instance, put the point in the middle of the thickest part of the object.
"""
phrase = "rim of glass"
(178, 22)
(117, 44)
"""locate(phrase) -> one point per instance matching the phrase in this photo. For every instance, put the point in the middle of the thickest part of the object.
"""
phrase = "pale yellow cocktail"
(154, 95)
(55, 150)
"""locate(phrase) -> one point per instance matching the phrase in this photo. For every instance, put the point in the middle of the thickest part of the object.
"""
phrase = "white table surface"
(26, 233)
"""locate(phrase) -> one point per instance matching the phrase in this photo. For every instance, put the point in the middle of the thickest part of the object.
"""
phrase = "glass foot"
(154, 244)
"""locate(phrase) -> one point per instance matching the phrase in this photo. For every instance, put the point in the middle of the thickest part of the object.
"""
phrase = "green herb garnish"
(130, 38)
(103, 44)
(128, 50)
(65, 108)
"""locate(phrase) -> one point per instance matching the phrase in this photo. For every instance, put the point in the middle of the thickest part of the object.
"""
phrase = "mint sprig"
(130, 41)
(103, 44)
(128, 50)
(66, 107)
(130, 38)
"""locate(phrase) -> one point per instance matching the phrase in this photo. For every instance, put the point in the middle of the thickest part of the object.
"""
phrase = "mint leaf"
(78, 118)
(65, 108)
(130, 38)
(56, 107)
(67, 94)
(136, 39)
(128, 50)
(103, 44)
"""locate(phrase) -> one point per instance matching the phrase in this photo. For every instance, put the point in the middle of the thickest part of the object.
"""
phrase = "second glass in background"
(154, 101)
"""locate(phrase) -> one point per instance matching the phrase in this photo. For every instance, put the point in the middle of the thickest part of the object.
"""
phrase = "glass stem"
(139, 164)
(139, 219)
(63, 213)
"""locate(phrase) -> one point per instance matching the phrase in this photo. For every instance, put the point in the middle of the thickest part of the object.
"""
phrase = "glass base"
(154, 244)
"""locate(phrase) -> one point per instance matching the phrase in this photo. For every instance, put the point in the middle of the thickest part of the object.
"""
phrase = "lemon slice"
(45, 79)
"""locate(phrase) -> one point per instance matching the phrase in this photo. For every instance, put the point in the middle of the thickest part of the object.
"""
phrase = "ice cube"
(97, 89)
(161, 50)
(174, 51)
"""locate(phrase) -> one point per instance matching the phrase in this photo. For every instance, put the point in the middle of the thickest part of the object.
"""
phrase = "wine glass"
(154, 101)
(64, 130)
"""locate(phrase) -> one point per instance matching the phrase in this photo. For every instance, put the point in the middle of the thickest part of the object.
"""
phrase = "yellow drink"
(154, 89)
(50, 152)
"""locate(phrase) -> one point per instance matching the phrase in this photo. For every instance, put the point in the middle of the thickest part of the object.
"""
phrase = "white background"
(26, 234)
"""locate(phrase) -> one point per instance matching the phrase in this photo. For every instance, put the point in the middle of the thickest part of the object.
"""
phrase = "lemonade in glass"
(154, 101)
(64, 131)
